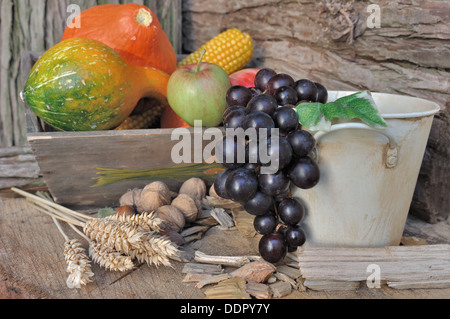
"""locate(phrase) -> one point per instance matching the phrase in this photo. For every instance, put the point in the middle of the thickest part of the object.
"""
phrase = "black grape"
(291, 211)
(238, 95)
(281, 154)
(301, 141)
(235, 118)
(229, 153)
(304, 173)
(306, 90)
(272, 247)
(295, 236)
(286, 119)
(259, 120)
(322, 93)
(241, 185)
(279, 81)
(262, 103)
(219, 183)
(262, 78)
(265, 224)
(273, 184)
(286, 95)
(259, 204)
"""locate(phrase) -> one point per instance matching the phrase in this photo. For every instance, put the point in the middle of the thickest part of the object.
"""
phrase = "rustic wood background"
(327, 41)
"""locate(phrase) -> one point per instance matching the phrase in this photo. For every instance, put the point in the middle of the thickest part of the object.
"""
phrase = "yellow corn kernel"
(142, 121)
(231, 50)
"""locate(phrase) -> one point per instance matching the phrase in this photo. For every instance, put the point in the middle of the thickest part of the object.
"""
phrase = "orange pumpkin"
(132, 30)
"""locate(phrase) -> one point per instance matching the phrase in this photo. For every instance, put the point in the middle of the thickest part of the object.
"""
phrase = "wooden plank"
(71, 163)
(397, 264)
(35, 267)
(18, 167)
(331, 285)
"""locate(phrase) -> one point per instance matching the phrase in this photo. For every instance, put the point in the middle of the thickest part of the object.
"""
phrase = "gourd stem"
(144, 17)
(200, 60)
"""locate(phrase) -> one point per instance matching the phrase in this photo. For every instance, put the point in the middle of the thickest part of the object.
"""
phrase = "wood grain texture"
(330, 42)
(400, 266)
(32, 265)
(70, 162)
(18, 167)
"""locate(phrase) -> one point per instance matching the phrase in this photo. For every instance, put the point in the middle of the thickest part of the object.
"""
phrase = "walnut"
(131, 197)
(162, 188)
(188, 206)
(194, 187)
(150, 201)
(172, 216)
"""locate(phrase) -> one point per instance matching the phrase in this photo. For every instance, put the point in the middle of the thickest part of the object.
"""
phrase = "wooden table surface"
(32, 263)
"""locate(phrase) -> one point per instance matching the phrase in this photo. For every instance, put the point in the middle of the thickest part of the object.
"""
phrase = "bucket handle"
(391, 152)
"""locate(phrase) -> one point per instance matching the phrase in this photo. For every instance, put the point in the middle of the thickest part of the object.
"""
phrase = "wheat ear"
(130, 240)
(108, 258)
(147, 221)
(78, 265)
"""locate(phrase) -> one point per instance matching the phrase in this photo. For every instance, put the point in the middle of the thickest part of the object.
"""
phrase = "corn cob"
(142, 120)
(231, 50)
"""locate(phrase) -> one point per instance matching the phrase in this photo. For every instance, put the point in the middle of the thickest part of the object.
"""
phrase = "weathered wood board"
(403, 267)
(72, 163)
(32, 265)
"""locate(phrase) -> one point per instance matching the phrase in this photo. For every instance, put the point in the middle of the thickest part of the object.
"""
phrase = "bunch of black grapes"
(270, 104)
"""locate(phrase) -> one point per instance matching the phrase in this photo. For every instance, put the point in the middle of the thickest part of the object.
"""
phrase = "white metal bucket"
(368, 175)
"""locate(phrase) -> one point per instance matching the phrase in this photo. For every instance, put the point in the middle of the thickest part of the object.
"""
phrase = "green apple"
(198, 92)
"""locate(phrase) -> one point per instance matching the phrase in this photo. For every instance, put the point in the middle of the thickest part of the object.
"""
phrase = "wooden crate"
(76, 165)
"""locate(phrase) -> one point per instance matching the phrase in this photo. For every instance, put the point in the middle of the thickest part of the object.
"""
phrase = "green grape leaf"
(311, 116)
(318, 116)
